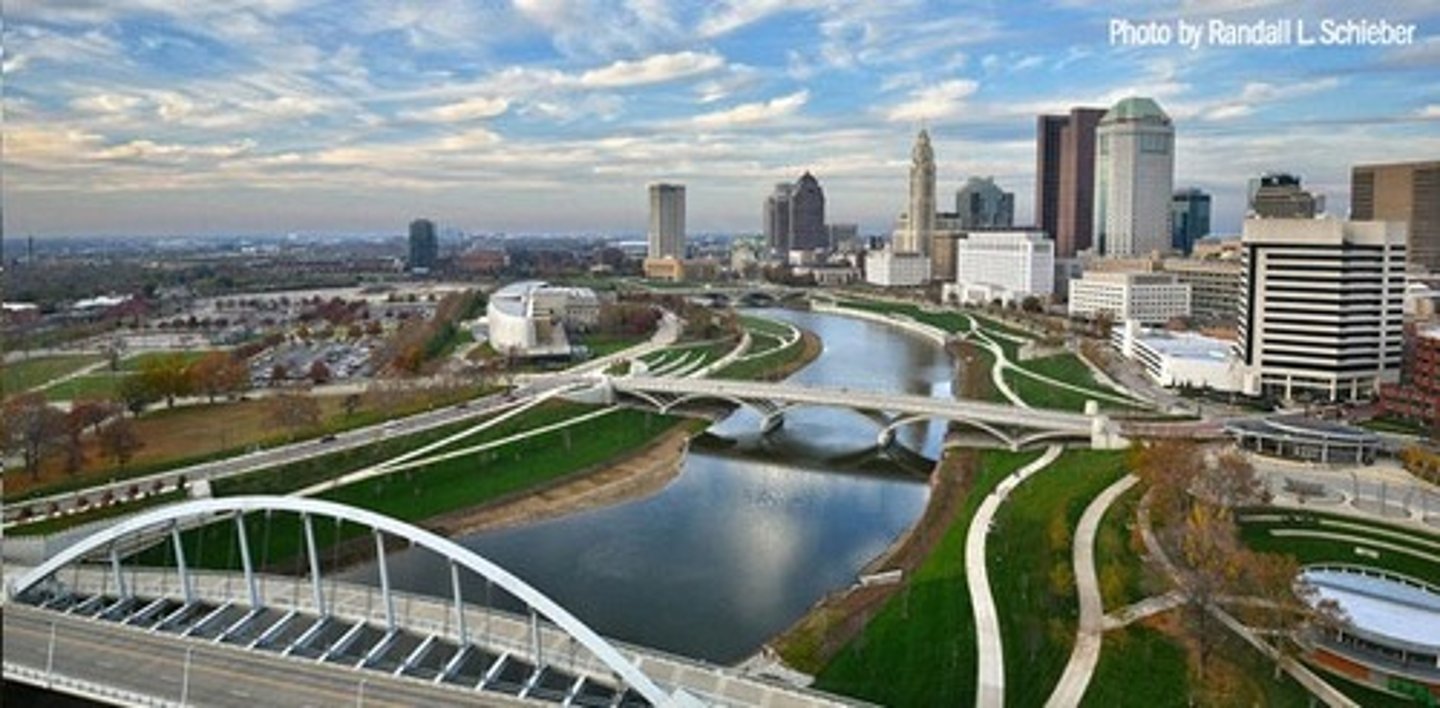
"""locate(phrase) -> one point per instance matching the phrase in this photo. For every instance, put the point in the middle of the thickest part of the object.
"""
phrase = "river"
(746, 538)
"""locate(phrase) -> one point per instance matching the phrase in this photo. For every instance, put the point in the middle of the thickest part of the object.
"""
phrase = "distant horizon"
(332, 117)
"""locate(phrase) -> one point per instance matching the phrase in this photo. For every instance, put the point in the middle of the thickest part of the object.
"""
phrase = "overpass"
(101, 618)
(1012, 425)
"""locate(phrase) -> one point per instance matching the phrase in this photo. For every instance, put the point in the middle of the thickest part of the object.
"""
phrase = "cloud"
(942, 100)
(470, 109)
(751, 113)
(597, 28)
(655, 69)
(728, 16)
(1430, 111)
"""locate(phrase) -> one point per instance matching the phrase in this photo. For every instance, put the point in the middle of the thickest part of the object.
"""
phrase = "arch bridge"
(542, 654)
(1013, 426)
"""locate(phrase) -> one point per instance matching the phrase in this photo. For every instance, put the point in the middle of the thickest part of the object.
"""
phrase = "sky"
(158, 117)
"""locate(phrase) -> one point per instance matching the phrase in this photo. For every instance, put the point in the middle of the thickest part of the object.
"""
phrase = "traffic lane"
(222, 675)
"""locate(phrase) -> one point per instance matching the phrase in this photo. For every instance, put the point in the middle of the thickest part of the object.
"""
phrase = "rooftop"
(1136, 108)
(1187, 345)
(1380, 606)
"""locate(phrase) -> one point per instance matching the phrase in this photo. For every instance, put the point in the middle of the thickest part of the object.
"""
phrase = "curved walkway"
(1086, 653)
(990, 659)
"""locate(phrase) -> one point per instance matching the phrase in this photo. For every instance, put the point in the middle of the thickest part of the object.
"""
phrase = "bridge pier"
(1104, 435)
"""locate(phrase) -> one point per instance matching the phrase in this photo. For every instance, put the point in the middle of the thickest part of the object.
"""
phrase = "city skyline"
(136, 118)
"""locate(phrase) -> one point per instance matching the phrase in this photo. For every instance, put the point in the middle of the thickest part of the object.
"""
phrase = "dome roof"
(1136, 108)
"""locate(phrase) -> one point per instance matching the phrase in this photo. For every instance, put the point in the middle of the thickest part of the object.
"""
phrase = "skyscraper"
(807, 216)
(1134, 178)
(1065, 178)
(1277, 195)
(982, 204)
(777, 218)
(424, 246)
(920, 215)
(1408, 192)
(667, 220)
(1189, 219)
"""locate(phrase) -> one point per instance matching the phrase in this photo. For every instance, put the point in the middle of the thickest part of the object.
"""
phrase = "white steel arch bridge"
(612, 678)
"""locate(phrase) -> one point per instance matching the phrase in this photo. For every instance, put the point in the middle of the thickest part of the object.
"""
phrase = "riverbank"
(634, 476)
(832, 623)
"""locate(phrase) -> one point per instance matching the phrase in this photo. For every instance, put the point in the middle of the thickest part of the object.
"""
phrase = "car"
(328, 438)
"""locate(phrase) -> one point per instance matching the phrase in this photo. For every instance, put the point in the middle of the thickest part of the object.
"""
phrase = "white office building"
(1134, 179)
(1175, 359)
(667, 221)
(1150, 298)
(1004, 265)
(1322, 306)
(888, 268)
(530, 318)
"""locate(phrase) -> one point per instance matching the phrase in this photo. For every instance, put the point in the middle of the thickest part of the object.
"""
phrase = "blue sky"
(228, 117)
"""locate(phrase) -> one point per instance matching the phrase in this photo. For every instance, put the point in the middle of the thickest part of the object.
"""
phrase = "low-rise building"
(1214, 286)
(1417, 395)
(887, 268)
(1176, 359)
(531, 318)
(1150, 298)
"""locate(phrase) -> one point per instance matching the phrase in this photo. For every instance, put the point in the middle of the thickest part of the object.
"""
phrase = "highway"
(219, 674)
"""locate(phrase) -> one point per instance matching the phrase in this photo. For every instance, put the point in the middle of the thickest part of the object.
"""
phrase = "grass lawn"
(765, 326)
(1257, 535)
(1117, 554)
(1388, 424)
(709, 351)
(997, 326)
(106, 385)
(1031, 569)
(605, 345)
(138, 361)
(1367, 696)
(948, 321)
(418, 494)
(1139, 667)
(775, 363)
(193, 434)
(920, 649)
(21, 376)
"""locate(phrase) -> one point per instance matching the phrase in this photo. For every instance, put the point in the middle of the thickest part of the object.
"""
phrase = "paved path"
(991, 654)
(1086, 653)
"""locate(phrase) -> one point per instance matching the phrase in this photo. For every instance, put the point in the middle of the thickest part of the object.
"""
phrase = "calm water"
(744, 540)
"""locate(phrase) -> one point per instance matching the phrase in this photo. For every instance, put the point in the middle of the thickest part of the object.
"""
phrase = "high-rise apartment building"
(424, 246)
(1134, 178)
(667, 221)
(1065, 178)
(1405, 191)
(1278, 195)
(982, 204)
(1189, 219)
(777, 218)
(807, 216)
(1321, 311)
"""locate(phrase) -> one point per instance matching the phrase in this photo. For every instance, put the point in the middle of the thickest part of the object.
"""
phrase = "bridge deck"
(497, 656)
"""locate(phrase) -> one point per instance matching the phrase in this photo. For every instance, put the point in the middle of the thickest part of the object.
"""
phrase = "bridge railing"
(103, 693)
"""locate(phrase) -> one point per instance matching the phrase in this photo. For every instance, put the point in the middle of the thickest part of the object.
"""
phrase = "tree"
(166, 377)
(134, 394)
(218, 374)
(1230, 481)
(319, 372)
(32, 428)
(294, 410)
(119, 441)
(1169, 467)
(351, 403)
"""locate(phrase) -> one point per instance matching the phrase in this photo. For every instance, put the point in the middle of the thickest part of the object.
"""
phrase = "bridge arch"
(888, 432)
(204, 509)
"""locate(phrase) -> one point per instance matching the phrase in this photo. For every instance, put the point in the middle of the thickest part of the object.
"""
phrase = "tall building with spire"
(920, 216)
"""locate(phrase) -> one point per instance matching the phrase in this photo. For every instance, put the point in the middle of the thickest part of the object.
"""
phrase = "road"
(219, 675)
(991, 647)
(285, 454)
(1086, 653)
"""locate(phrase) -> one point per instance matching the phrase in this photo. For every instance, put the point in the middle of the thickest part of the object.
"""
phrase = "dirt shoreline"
(635, 476)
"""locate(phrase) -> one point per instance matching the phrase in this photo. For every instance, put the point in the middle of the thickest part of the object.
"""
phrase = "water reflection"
(745, 539)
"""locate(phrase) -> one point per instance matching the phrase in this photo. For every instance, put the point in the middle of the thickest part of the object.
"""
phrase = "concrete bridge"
(1013, 426)
(94, 620)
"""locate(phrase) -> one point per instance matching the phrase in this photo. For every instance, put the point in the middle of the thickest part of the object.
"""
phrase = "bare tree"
(32, 428)
(294, 410)
(119, 441)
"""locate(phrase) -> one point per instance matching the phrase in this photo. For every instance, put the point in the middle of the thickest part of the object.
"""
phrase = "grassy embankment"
(1031, 569)
(189, 435)
(1259, 534)
(20, 376)
(919, 650)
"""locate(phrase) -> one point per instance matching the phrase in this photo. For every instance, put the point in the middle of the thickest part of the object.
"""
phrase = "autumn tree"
(1230, 480)
(32, 429)
(294, 410)
(166, 376)
(119, 441)
(218, 374)
(319, 372)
